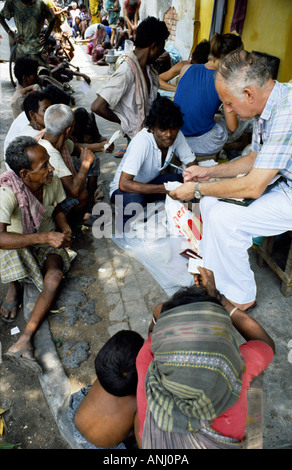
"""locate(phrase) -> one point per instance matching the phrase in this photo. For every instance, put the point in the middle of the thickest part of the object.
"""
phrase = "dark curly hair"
(115, 364)
(24, 67)
(165, 114)
(151, 30)
(16, 153)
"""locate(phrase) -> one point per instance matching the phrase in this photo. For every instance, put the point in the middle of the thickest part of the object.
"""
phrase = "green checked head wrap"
(197, 368)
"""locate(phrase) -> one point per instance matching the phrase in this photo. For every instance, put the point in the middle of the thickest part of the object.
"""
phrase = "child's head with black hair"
(56, 95)
(115, 364)
(25, 70)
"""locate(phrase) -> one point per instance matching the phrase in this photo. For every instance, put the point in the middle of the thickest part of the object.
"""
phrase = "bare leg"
(53, 275)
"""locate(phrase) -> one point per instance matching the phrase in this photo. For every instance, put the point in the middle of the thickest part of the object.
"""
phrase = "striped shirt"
(272, 133)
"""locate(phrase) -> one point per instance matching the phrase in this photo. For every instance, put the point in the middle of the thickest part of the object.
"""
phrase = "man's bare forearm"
(234, 168)
(14, 241)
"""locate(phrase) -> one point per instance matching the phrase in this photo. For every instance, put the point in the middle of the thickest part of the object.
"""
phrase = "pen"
(177, 167)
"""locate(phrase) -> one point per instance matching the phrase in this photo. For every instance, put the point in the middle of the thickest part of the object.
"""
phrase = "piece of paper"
(15, 330)
(112, 139)
(193, 265)
(85, 88)
(207, 163)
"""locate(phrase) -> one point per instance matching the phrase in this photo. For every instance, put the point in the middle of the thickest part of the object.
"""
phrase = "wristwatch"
(197, 193)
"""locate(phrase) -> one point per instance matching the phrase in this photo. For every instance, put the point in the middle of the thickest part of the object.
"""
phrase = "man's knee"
(83, 197)
(53, 279)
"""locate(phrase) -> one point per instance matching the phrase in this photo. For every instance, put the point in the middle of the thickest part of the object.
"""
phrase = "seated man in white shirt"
(31, 120)
(139, 177)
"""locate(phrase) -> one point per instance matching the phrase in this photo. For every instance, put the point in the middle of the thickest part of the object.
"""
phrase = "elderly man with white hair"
(245, 86)
(79, 178)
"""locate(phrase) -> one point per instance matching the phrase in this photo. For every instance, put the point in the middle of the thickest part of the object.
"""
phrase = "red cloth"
(256, 354)
(129, 9)
(143, 360)
(30, 207)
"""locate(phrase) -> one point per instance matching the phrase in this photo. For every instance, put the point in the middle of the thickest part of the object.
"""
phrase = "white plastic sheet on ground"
(151, 244)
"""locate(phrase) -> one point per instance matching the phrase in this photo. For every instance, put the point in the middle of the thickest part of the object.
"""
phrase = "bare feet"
(23, 344)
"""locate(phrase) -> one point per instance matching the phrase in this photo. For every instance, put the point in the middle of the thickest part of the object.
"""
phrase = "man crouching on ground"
(30, 247)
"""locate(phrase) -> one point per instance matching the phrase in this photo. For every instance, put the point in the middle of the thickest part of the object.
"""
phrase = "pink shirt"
(256, 354)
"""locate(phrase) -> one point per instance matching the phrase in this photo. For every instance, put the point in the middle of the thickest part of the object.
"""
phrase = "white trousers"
(228, 230)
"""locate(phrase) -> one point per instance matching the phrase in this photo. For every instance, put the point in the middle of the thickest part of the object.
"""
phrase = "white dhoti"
(228, 230)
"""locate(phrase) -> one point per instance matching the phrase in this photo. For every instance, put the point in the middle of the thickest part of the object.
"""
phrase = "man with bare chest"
(102, 416)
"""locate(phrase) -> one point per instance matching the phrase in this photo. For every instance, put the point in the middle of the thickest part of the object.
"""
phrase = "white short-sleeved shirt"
(143, 158)
(119, 93)
(56, 160)
(90, 31)
(10, 213)
(15, 129)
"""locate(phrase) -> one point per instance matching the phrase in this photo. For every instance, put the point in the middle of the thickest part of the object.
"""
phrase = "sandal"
(9, 308)
(26, 359)
(121, 152)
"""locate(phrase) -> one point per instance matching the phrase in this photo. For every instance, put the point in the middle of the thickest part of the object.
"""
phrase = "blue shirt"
(198, 100)
(272, 133)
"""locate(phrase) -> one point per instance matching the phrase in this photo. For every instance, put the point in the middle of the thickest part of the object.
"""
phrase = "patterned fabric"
(208, 438)
(29, 21)
(94, 170)
(31, 209)
(112, 15)
(272, 134)
(25, 264)
(196, 373)
(99, 36)
(68, 204)
(68, 159)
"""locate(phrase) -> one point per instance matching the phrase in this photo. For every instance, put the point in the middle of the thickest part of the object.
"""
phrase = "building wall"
(267, 26)
(180, 13)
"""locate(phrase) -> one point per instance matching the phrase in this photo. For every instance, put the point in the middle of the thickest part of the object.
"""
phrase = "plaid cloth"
(272, 133)
(68, 159)
(25, 264)
(208, 438)
(94, 170)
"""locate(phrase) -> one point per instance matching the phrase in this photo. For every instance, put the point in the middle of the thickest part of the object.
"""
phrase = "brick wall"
(171, 18)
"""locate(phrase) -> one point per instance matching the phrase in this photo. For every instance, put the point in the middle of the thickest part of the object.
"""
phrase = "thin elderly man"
(245, 86)
(29, 17)
(33, 235)
(79, 178)
(131, 90)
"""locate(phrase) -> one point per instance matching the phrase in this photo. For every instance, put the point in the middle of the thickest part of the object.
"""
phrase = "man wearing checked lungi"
(33, 236)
